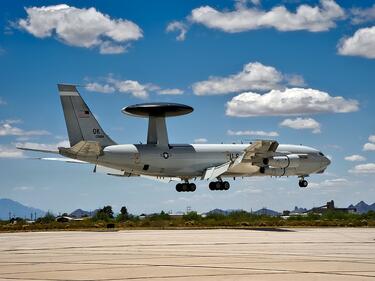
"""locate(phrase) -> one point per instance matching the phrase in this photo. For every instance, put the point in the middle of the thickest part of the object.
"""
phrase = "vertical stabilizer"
(80, 122)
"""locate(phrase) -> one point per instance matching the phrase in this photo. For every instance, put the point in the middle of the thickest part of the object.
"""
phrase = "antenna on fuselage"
(156, 113)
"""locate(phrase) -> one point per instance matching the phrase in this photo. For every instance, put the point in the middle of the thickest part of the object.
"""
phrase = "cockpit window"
(321, 154)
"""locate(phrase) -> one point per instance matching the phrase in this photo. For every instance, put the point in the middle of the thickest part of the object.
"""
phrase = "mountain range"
(13, 209)
(363, 207)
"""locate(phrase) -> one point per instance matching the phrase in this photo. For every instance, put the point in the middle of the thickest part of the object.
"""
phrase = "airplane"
(161, 160)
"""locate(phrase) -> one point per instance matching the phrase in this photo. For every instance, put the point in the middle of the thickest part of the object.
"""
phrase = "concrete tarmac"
(298, 254)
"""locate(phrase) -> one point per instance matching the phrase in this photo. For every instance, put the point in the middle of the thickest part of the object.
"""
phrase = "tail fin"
(80, 122)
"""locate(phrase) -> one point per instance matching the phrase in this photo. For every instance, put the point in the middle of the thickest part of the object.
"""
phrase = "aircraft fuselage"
(191, 160)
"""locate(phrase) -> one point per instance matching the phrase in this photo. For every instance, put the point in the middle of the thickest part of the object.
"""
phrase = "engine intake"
(287, 161)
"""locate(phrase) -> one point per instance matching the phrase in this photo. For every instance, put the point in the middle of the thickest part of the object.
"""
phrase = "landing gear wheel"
(192, 187)
(303, 183)
(218, 185)
(225, 185)
(179, 187)
(185, 187)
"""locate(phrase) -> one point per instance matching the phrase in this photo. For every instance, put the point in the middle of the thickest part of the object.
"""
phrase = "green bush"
(192, 216)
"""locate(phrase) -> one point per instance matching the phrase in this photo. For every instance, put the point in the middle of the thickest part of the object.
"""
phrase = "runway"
(220, 254)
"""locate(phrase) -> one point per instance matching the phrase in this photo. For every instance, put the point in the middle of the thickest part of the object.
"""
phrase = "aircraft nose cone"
(326, 161)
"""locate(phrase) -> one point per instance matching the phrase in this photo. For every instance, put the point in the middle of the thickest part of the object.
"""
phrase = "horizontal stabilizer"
(66, 160)
(56, 151)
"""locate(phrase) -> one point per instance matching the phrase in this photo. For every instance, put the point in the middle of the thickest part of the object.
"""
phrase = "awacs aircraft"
(162, 160)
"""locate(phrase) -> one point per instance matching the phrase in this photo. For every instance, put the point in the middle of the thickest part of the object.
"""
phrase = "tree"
(108, 211)
(48, 218)
(124, 215)
(124, 211)
(105, 213)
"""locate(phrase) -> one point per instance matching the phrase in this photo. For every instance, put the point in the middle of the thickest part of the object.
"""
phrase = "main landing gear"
(303, 182)
(186, 187)
(219, 185)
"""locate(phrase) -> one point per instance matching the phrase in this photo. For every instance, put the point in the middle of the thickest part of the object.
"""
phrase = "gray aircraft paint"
(160, 159)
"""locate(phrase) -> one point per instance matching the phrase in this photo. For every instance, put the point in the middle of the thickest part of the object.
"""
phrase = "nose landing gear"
(219, 185)
(303, 182)
(186, 187)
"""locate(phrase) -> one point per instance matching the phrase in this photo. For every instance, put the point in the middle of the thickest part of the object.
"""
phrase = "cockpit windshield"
(321, 154)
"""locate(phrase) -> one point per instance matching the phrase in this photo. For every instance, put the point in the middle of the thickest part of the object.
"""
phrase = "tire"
(192, 187)
(185, 187)
(226, 185)
(212, 185)
(218, 185)
(178, 187)
(303, 183)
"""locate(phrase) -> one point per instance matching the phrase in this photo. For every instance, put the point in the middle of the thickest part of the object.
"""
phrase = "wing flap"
(214, 172)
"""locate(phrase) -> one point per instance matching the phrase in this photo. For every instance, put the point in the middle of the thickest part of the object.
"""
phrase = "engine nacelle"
(287, 161)
(278, 172)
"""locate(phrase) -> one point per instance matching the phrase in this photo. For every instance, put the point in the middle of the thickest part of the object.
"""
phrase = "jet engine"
(287, 161)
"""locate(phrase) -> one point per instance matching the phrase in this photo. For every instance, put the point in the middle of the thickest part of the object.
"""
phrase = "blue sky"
(314, 60)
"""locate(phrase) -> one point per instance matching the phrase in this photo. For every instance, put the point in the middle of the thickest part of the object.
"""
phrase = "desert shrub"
(192, 216)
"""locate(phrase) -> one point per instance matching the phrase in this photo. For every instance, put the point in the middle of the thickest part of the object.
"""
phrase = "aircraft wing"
(160, 179)
(254, 154)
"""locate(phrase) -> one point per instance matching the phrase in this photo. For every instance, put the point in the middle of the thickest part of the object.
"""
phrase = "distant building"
(67, 219)
(330, 206)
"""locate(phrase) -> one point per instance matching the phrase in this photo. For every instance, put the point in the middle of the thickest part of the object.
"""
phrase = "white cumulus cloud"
(200, 140)
(254, 76)
(253, 133)
(170, 92)
(310, 18)
(132, 87)
(362, 43)
(371, 138)
(338, 182)
(43, 146)
(10, 152)
(355, 158)
(302, 124)
(369, 146)
(362, 15)
(180, 27)
(80, 27)
(290, 101)
(96, 87)
(7, 129)
(368, 168)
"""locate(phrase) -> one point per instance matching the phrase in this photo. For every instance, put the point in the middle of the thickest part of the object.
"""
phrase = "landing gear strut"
(219, 185)
(186, 187)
